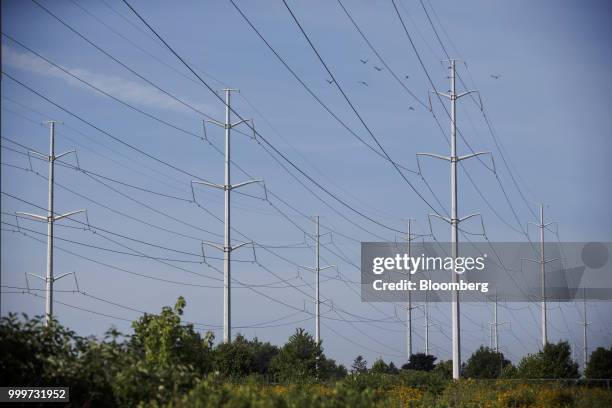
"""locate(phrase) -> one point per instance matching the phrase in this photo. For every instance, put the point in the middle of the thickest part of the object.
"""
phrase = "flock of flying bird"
(377, 68)
(364, 83)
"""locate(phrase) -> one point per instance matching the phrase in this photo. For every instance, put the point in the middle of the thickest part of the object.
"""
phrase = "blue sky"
(548, 111)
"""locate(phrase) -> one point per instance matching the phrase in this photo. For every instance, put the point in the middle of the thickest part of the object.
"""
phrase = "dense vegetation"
(167, 363)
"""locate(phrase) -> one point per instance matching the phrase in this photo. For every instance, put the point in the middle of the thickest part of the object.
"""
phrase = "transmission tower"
(426, 312)
(50, 220)
(409, 238)
(454, 220)
(493, 326)
(584, 323)
(227, 187)
(317, 269)
(542, 262)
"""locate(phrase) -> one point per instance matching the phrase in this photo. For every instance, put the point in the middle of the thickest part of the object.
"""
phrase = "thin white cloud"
(128, 91)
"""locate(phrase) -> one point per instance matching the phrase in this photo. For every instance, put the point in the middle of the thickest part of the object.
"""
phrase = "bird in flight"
(495, 76)
(407, 76)
(363, 83)
(411, 108)
(364, 61)
(330, 81)
(378, 68)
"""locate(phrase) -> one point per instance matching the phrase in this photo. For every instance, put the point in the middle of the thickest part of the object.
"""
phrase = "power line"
(458, 129)
(188, 173)
(198, 111)
(382, 60)
(151, 116)
(98, 153)
(130, 216)
(265, 324)
(194, 81)
(362, 319)
(283, 258)
(65, 71)
(118, 61)
(97, 231)
(118, 140)
(478, 190)
(259, 134)
(50, 218)
(310, 91)
(123, 183)
(355, 110)
(486, 118)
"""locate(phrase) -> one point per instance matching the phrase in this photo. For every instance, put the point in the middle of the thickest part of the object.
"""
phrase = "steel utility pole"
(317, 269)
(426, 311)
(454, 220)
(409, 308)
(584, 324)
(317, 298)
(542, 261)
(227, 247)
(543, 277)
(409, 238)
(50, 219)
(495, 323)
(494, 327)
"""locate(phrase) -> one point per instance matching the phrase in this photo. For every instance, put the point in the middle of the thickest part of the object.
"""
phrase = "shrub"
(406, 395)
(593, 398)
(509, 372)
(242, 357)
(485, 363)
(166, 363)
(554, 361)
(373, 380)
(555, 398)
(34, 354)
(380, 367)
(520, 396)
(209, 394)
(434, 382)
(297, 359)
(420, 362)
(332, 370)
(164, 357)
(359, 365)
(444, 368)
(600, 364)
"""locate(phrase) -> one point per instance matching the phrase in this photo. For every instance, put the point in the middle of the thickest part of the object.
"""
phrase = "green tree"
(485, 363)
(380, 367)
(329, 370)
(243, 357)
(34, 354)
(164, 357)
(554, 361)
(420, 362)
(234, 359)
(360, 365)
(98, 364)
(297, 359)
(264, 353)
(600, 364)
(340, 372)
